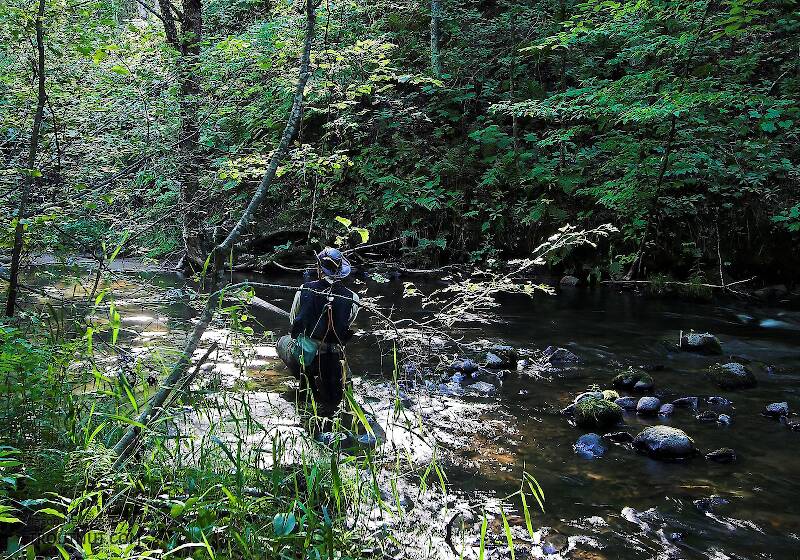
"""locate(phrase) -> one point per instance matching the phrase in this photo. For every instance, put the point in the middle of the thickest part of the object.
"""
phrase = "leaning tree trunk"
(436, 37)
(30, 179)
(177, 377)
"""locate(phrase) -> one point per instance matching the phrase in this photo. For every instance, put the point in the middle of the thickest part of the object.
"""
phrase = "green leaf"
(364, 233)
(53, 512)
(121, 70)
(283, 524)
(344, 221)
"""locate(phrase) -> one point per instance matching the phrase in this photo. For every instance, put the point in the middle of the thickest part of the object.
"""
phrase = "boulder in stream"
(664, 442)
(589, 446)
(687, 402)
(628, 403)
(648, 406)
(465, 366)
(502, 357)
(559, 356)
(724, 455)
(569, 281)
(777, 409)
(619, 437)
(667, 409)
(724, 420)
(711, 503)
(701, 343)
(707, 416)
(732, 375)
(482, 388)
(597, 413)
(633, 379)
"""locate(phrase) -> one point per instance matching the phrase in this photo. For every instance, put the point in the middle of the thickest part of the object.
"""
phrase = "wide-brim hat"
(333, 263)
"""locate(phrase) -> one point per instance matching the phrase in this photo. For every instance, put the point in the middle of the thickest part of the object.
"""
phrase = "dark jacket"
(322, 315)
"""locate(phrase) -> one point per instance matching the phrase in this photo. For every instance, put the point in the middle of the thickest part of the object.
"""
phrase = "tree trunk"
(177, 378)
(29, 180)
(436, 36)
(189, 164)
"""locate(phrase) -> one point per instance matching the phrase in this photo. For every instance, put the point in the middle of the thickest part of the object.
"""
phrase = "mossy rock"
(610, 395)
(633, 378)
(597, 413)
(732, 376)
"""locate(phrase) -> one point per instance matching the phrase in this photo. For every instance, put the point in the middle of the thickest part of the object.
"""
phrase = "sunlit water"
(622, 505)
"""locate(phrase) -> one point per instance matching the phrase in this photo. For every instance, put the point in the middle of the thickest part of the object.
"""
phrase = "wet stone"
(724, 420)
(648, 406)
(560, 356)
(502, 357)
(643, 386)
(619, 437)
(707, 416)
(687, 402)
(589, 446)
(664, 442)
(628, 403)
(720, 402)
(711, 503)
(568, 281)
(792, 425)
(732, 375)
(776, 410)
(724, 455)
(568, 410)
(482, 388)
(666, 409)
(466, 366)
(701, 343)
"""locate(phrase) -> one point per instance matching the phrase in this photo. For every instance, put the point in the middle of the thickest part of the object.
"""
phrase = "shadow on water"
(632, 506)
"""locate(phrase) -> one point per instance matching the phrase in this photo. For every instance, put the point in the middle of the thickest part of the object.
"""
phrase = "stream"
(622, 505)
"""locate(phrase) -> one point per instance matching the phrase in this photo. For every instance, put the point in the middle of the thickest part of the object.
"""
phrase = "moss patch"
(597, 413)
(630, 377)
(732, 376)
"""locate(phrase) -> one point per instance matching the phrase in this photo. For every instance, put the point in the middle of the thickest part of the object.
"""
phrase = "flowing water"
(623, 505)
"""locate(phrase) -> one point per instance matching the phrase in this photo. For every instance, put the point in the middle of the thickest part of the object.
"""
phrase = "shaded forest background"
(473, 129)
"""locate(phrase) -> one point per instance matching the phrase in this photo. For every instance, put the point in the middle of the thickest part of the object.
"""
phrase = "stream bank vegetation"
(225, 135)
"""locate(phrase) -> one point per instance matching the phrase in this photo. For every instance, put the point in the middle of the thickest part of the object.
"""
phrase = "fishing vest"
(314, 318)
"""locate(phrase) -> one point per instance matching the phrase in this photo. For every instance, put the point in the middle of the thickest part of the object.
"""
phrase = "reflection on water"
(622, 505)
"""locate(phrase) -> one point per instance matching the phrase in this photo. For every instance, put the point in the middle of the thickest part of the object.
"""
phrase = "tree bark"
(436, 37)
(177, 377)
(29, 180)
(189, 102)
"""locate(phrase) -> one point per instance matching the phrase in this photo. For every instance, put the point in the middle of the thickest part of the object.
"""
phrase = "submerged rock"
(628, 403)
(720, 402)
(559, 356)
(666, 409)
(482, 388)
(687, 402)
(732, 375)
(502, 357)
(724, 420)
(707, 416)
(633, 379)
(597, 413)
(711, 503)
(648, 406)
(569, 281)
(664, 442)
(465, 366)
(589, 446)
(724, 455)
(792, 425)
(619, 437)
(702, 343)
(777, 409)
